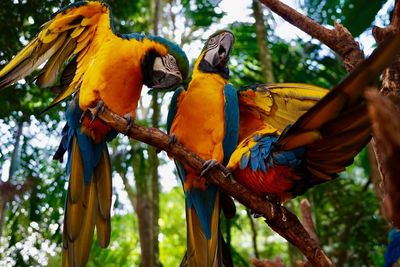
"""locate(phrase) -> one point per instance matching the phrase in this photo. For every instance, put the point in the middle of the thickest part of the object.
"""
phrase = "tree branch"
(278, 217)
(306, 214)
(339, 39)
(382, 112)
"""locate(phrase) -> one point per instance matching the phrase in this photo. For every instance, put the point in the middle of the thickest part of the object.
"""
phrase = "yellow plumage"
(275, 105)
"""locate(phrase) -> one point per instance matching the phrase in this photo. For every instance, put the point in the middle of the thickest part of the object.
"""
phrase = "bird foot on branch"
(130, 122)
(207, 166)
(172, 140)
(100, 106)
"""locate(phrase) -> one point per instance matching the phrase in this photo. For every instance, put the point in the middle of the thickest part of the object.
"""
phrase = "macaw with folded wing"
(283, 152)
(102, 68)
(205, 118)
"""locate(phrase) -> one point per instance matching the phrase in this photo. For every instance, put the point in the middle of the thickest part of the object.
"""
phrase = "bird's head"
(164, 70)
(215, 54)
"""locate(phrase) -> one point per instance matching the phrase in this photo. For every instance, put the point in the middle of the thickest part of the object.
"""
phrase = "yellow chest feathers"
(199, 122)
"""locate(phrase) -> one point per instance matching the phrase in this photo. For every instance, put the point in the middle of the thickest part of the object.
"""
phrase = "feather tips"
(69, 33)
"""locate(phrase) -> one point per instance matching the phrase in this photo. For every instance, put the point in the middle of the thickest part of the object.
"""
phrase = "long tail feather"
(84, 242)
(80, 213)
(104, 195)
(200, 250)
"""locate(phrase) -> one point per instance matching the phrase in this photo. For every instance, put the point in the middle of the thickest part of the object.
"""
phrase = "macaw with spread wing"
(102, 68)
(205, 118)
(283, 152)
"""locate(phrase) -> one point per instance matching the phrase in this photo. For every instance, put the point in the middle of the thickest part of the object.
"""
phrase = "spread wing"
(72, 33)
(336, 128)
(277, 105)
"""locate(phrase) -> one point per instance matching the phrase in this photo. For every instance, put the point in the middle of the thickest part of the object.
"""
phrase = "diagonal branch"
(278, 218)
(338, 39)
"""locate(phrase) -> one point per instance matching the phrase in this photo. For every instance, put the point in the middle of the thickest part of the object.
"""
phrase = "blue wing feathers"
(231, 122)
(91, 153)
(173, 108)
(244, 161)
(261, 153)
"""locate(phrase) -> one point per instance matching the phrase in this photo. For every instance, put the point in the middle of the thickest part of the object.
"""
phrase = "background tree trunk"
(153, 157)
(263, 50)
(6, 194)
(143, 206)
(155, 186)
(253, 234)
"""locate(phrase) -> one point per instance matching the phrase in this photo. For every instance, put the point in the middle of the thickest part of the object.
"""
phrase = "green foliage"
(33, 219)
(202, 12)
(296, 61)
(269, 243)
(172, 227)
(348, 219)
(131, 16)
(347, 12)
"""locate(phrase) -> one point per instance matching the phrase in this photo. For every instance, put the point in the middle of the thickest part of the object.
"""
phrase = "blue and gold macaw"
(283, 152)
(205, 119)
(103, 68)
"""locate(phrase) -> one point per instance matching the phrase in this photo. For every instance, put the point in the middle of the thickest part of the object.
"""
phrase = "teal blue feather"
(173, 108)
(91, 151)
(231, 122)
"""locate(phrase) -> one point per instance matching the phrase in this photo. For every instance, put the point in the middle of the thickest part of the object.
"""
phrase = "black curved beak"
(218, 49)
(166, 73)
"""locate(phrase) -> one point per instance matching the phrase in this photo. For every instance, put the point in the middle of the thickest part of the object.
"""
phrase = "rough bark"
(277, 262)
(278, 217)
(387, 140)
(383, 112)
(306, 218)
(264, 54)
